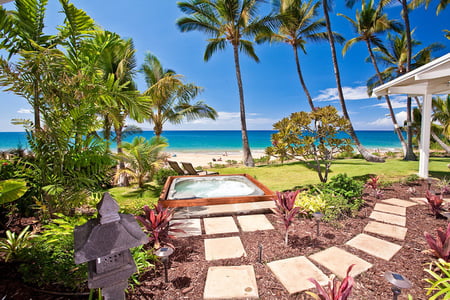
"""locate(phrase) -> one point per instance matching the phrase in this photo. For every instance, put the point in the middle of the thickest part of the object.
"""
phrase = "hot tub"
(213, 189)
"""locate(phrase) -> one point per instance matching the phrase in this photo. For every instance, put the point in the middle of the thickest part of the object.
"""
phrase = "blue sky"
(271, 87)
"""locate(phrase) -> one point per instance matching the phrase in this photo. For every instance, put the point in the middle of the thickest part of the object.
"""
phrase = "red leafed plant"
(373, 183)
(157, 223)
(440, 246)
(334, 290)
(434, 202)
(285, 209)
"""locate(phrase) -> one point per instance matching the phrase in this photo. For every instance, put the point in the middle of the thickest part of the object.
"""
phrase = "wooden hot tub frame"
(268, 194)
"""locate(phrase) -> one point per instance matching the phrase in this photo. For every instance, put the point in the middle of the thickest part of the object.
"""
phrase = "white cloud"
(24, 111)
(396, 102)
(386, 122)
(350, 93)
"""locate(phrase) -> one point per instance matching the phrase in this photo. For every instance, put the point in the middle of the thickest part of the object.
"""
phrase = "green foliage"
(14, 244)
(311, 136)
(440, 281)
(49, 261)
(144, 260)
(310, 203)
(411, 178)
(347, 187)
(7, 169)
(11, 190)
(162, 175)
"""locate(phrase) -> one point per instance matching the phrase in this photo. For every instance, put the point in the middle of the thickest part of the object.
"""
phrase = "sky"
(271, 87)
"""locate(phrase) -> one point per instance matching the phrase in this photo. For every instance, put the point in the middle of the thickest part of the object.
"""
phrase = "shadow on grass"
(154, 191)
(440, 174)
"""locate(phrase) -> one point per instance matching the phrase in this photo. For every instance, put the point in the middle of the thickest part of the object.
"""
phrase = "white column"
(425, 136)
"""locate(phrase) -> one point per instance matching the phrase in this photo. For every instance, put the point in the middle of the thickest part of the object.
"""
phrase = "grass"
(290, 175)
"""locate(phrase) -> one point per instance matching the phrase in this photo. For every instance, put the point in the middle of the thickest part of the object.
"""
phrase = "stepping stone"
(222, 248)
(219, 225)
(392, 209)
(294, 272)
(389, 230)
(191, 227)
(420, 200)
(388, 218)
(374, 246)
(231, 282)
(254, 223)
(399, 202)
(337, 261)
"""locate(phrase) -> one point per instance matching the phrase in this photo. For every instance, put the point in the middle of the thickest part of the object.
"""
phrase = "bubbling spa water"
(212, 187)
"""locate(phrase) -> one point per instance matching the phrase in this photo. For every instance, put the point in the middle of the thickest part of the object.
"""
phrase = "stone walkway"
(388, 219)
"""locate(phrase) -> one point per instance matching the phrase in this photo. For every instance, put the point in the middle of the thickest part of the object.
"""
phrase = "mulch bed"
(188, 268)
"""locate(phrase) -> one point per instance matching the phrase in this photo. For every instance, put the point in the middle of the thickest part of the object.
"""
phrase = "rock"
(187, 290)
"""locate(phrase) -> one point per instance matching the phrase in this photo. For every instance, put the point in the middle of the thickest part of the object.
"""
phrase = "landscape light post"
(398, 282)
(317, 216)
(164, 254)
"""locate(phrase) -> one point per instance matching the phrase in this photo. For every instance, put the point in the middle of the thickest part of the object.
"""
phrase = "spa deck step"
(223, 210)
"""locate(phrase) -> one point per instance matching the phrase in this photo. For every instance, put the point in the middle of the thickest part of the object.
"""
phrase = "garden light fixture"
(163, 253)
(317, 216)
(398, 282)
(260, 249)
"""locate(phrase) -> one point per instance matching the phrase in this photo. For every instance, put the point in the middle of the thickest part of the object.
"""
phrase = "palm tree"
(370, 22)
(142, 158)
(22, 29)
(298, 25)
(170, 97)
(227, 21)
(368, 156)
(441, 114)
(441, 5)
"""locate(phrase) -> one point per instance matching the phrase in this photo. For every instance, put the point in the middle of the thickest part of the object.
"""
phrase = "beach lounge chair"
(191, 171)
(174, 165)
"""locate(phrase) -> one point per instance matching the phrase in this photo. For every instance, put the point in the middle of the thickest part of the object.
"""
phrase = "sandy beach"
(204, 158)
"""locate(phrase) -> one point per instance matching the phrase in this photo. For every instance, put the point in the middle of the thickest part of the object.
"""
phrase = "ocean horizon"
(219, 140)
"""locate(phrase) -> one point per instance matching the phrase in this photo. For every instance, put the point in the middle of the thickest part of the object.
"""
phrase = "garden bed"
(188, 267)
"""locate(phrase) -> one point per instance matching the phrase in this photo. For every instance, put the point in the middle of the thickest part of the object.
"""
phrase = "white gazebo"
(427, 80)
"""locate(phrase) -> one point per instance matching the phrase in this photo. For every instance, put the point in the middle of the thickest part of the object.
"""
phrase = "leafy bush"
(337, 206)
(49, 261)
(440, 246)
(162, 175)
(7, 169)
(310, 203)
(347, 187)
(440, 283)
(285, 210)
(142, 258)
(14, 244)
(411, 178)
(334, 290)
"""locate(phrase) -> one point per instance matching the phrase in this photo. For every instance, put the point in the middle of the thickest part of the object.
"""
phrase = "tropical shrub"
(11, 190)
(348, 188)
(311, 135)
(440, 281)
(7, 169)
(337, 206)
(12, 245)
(143, 259)
(285, 210)
(310, 203)
(440, 245)
(373, 183)
(335, 290)
(49, 262)
(162, 175)
(157, 223)
(434, 203)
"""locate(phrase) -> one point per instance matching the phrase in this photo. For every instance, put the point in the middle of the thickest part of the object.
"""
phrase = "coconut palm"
(227, 21)
(442, 4)
(368, 23)
(142, 157)
(441, 114)
(368, 156)
(299, 24)
(170, 97)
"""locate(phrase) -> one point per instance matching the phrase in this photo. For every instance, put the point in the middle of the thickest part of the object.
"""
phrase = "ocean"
(219, 141)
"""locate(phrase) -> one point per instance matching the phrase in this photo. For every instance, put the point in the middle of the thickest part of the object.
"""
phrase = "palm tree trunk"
(247, 159)
(36, 108)
(440, 142)
(123, 178)
(300, 77)
(366, 154)
(409, 150)
(388, 100)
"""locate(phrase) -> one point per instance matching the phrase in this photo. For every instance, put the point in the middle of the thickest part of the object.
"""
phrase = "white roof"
(431, 78)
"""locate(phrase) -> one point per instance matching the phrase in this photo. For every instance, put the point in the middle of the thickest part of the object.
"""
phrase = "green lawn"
(287, 176)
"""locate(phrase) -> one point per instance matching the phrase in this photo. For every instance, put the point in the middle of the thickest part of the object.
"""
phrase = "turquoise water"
(224, 140)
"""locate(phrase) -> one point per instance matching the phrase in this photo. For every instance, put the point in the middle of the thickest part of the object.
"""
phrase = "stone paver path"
(374, 246)
(337, 261)
(231, 282)
(388, 218)
(254, 223)
(392, 209)
(234, 282)
(223, 248)
(294, 273)
(393, 231)
(191, 227)
(220, 225)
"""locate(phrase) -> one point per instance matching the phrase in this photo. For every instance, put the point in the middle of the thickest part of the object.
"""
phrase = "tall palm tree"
(442, 4)
(368, 156)
(368, 23)
(298, 25)
(170, 97)
(227, 21)
(22, 29)
(441, 114)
